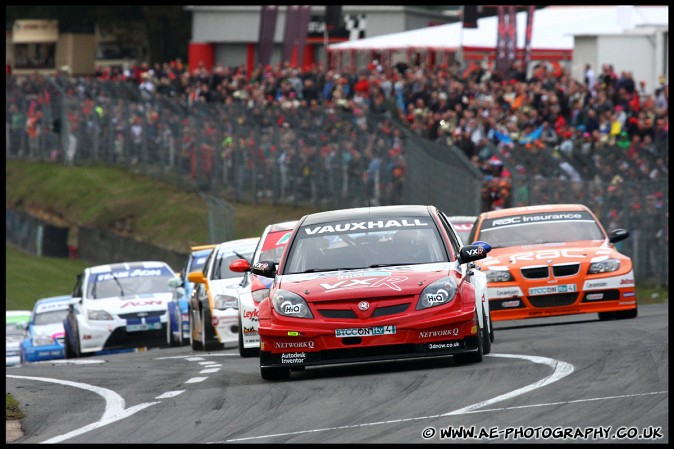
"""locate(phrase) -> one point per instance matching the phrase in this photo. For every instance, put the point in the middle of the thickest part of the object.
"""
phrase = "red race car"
(373, 283)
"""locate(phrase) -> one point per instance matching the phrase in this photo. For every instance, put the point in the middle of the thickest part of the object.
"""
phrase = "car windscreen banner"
(364, 226)
(132, 273)
(543, 217)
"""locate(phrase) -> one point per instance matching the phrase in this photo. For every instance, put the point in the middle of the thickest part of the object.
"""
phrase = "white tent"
(553, 29)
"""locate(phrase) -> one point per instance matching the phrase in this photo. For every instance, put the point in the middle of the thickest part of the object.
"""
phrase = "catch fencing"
(324, 157)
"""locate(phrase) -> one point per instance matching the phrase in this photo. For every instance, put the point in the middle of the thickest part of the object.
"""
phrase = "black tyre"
(196, 345)
(246, 352)
(620, 315)
(473, 357)
(603, 316)
(169, 334)
(181, 341)
(274, 373)
(486, 347)
(76, 348)
(627, 314)
(67, 349)
(208, 338)
(491, 328)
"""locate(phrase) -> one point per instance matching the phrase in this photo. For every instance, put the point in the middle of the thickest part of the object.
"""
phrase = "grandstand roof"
(554, 27)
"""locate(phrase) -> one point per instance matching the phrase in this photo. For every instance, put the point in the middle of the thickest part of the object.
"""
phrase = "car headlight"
(42, 340)
(259, 295)
(499, 276)
(226, 302)
(439, 292)
(290, 304)
(604, 266)
(98, 315)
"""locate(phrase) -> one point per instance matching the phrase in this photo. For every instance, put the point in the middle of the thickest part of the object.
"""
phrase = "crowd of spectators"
(606, 127)
(539, 125)
(544, 132)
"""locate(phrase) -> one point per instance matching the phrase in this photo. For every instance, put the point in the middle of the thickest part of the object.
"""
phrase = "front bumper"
(120, 334)
(42, 353)
(513, 301)
(285, 347)
(226, 324)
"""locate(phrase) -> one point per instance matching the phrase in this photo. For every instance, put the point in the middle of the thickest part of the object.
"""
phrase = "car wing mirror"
(475, 251)
(618, 235)
(174, 282)
(72, 302)
(196, 277)
(265, 268)
(239, 266)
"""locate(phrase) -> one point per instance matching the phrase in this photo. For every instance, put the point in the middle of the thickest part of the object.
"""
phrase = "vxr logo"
(389, 282)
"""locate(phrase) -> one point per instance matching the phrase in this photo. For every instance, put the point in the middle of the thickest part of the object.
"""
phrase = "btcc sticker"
(448, 345)
(565, 288)
(504, 292)
(261, 266)
(594, 296)
(438, 297)
(251, 314)
(364, 273)
(508, 304)
(389, 282)
(293, 334)
(549, 254)
(52, 306)
(535, 314)
(537, 218)
(365, 331)
(442, 333)
(142, 327)
(613, 282)
(128, 274)
(141, 303)
(476, 251)
(365, 226)
(594, 284)
(294, 344)
(293, 357)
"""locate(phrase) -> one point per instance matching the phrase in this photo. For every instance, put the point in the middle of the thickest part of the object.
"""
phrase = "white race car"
(254, 288)
(16, 322)
(213, 305)
(119, 306)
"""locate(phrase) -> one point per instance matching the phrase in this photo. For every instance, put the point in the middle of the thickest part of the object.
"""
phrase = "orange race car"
(554, 260)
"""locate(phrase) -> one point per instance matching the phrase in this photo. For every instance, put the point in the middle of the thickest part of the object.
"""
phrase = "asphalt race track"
(545, 380)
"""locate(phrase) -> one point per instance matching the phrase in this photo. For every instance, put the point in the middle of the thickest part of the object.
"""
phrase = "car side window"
(453, 236)
(77, 290)
(208, 263)
(471, 237)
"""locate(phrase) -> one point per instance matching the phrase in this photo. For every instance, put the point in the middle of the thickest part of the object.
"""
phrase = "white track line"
(114, 406)
(561, 370)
